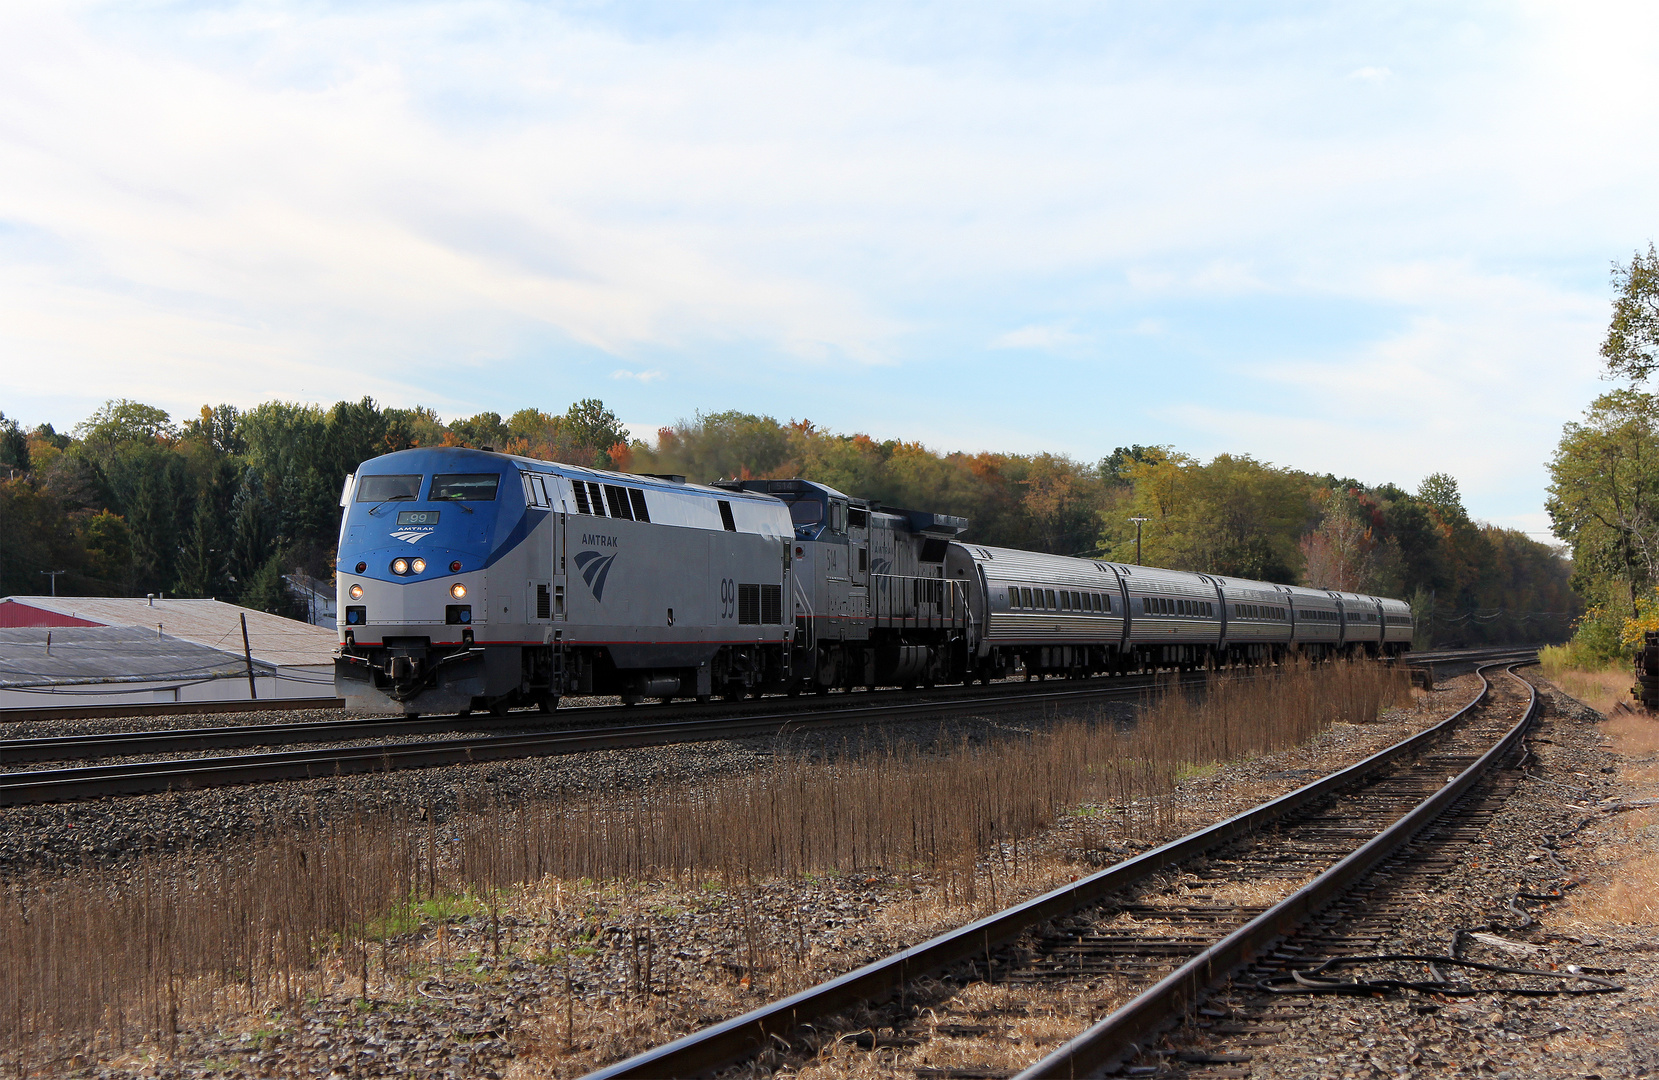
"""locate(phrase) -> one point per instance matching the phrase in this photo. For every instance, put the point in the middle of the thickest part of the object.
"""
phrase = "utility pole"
(1137, 521)
(53, 574)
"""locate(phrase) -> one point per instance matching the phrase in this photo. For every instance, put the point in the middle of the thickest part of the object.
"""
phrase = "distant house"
(315, 596)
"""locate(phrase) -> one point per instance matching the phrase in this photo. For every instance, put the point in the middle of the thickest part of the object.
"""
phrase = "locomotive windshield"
(379, 489)
(806, 513)
(464, 487)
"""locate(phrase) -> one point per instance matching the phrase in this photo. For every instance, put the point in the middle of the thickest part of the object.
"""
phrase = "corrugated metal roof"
(212, 623)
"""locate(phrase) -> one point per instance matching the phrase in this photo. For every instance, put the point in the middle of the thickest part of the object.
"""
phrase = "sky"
(1366, 239)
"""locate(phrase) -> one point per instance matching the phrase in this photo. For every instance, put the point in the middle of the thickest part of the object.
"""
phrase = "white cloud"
(637, 376)
(1371, 74)
(1037, 337)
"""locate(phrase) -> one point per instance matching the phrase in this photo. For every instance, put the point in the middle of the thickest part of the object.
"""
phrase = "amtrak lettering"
(599, 541)
(595, 569)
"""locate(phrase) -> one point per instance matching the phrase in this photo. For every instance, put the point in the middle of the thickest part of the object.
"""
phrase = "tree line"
(130, 502)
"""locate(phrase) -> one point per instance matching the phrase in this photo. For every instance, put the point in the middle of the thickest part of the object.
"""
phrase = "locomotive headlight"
(458, 590)
(356, 592)
(418, 566)
(400, 566)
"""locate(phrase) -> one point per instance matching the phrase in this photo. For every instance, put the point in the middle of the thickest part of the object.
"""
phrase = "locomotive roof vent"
(922, 521)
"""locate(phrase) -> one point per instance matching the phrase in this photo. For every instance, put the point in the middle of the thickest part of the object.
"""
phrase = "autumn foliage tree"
(230, 500)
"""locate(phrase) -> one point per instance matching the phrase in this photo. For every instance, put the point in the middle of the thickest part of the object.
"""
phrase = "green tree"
(252, 530)
(1233, 516)
(1632, 343)
(35, 535)
(485, 429)
(152, 517)
(1604, 495)
(267, 592)
(588, 423)
(219, 428)
(108, 545)
(120, 421)
(14, 445)
(418, 426)
(1440, 491)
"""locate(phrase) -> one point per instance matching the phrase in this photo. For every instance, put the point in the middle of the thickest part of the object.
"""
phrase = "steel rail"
(280, 704)
(732, 1040)
(186, 740)
(1120, 1035)
(36, 786)
(167, 708)
(183, 740)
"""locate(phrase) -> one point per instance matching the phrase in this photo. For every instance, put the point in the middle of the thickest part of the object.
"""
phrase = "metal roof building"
(65, 651)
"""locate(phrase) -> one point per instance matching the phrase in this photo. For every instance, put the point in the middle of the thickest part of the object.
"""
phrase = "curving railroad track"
(1084, 977)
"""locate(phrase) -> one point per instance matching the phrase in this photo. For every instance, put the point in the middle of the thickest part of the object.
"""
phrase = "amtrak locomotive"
(475, 580)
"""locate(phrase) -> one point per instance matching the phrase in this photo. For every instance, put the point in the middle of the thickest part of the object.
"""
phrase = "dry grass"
(90, 965)
(1632, 899)
(1633, 732)
(1600, 688)
(1625, 889)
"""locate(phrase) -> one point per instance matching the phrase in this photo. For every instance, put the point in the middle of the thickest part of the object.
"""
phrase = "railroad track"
(612, 727)
(1140, 942)
(618, 729)
(194, 740)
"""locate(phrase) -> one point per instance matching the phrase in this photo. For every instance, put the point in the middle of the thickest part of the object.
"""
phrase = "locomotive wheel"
(498, 709)
(549, 702)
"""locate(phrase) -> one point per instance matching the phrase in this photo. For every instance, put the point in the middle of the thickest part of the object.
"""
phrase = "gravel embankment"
(111, 832)
(1559, 831)
(572, 974)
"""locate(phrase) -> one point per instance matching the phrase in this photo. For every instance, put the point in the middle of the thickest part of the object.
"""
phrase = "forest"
(228, 502)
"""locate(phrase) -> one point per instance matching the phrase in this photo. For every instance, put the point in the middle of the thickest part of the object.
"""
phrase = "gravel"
(1549, 834)
(572, 974)
(114, 832)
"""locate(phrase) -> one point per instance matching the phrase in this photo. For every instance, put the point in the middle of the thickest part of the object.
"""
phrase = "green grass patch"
(405, 917)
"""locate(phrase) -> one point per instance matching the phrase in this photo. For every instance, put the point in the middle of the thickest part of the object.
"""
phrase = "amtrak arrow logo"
(411, 536)
(595, 568)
